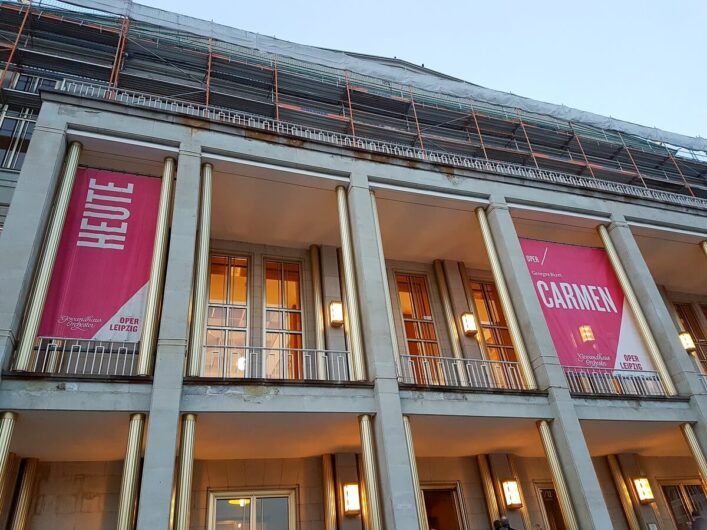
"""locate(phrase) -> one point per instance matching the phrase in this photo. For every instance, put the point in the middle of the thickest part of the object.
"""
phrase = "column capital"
(496, 204)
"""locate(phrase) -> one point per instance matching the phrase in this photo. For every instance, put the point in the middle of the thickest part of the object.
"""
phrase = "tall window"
(266, 510)
(684, 498)
(416, 310)
(225, 353)
(495, 336)
(283, 320)
(16, 126)
(690, 323)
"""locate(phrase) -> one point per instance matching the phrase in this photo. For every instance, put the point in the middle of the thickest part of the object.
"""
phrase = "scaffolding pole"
(527, 139)
(417, 124)
(348, 96)
(277, 91)
(208, 71)
(119, 53)
(478, 130)
(635, 166)
(13, 48)
(581, 148)
(675, 163)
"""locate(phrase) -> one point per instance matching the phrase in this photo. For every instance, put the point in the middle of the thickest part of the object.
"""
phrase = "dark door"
(442, 509)
(552, 508)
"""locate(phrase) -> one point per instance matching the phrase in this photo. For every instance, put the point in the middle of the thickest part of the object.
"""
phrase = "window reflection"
(494, 329)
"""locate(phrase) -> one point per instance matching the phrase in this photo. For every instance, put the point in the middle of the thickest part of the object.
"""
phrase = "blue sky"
(641, 61)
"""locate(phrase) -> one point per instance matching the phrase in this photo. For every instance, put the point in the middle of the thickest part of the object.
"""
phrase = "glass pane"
(239, 281)
(427, 331)
(216, 316)
(237, 318)
(215, 337)
(273, 285)
(479, 303)
(232, 514)
(272, 513)
(236, 338)
(293, 321)
(273, 320)
(292, 300)
(217, 279)
(293, 341)
(680, 512)
(405, 298)
(273, 340)
(697, 497)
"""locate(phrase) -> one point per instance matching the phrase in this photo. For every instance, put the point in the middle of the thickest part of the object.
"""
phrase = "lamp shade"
(336, 313)
(511, 494)
(352, 500)
(469, 324)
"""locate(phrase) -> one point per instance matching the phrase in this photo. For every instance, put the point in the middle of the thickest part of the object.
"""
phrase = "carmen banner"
(99, 281)
(583, 303)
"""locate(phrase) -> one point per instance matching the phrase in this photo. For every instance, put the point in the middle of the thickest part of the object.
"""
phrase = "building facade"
(242, 290)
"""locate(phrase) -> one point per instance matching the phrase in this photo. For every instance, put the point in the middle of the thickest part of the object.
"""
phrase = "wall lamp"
(336, 313)
(687, 342)
(511, 493)
(469, 324)
(352, 500)
(586, 333)
(643, 490)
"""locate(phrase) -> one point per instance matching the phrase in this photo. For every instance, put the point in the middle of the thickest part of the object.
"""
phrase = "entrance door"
(551, 508)
(442, 509)
(684, 499)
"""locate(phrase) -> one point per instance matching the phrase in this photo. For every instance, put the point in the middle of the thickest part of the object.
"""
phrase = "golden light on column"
(157, 268)
(643, 490)
(201, 280)
(469, 324)
(586, 333)
(46, 262)
(352, 499)
(511, 494)
(336, 313)
(687, 342)
(632, 301)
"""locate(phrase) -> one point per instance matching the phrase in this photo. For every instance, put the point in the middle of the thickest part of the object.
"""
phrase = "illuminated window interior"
(495, 338)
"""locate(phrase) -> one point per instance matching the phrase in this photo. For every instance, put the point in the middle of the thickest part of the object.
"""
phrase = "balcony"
(479, 374)
(239, 363)
(610, 382)
(82, 358)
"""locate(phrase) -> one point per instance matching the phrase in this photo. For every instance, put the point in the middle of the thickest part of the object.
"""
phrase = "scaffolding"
(57, 40)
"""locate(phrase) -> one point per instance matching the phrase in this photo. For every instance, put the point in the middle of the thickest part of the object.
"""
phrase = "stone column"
(572, 451)
(161, 448)
(23, 503)
(186, 468)
(502, 471)
(23, 233)
(131, 472)
(395, 474)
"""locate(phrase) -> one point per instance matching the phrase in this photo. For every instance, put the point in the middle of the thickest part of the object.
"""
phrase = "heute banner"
(99, 281)
(591, 324)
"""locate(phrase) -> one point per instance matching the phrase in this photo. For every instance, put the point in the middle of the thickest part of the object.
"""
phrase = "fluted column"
(329, 490)
(623, 493)
(201, 276)
(7, 425)
(489, 490)
(186, 465)
(421, 511)
(131, 470)
(46, 263)
(370, 482)
(159, 256)
(24, 495)
(558, 477)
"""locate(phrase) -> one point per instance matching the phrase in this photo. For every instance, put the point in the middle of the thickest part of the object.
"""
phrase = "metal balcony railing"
(263, 123)
(296, 364)
(607, 381)
(59, 356)
(471, 373)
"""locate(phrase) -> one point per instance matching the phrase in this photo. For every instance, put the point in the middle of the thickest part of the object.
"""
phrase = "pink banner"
(583, 304)
(102, 268)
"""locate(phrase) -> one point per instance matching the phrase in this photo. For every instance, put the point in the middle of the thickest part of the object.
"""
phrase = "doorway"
(443, 508)
(551, 507)
(684, 498)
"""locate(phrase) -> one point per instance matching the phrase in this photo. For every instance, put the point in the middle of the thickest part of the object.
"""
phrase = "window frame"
(680, 483)
(264, 308)
(484, 346)
(26, 117)
(426, 278)
(248, 308)
(216, 495)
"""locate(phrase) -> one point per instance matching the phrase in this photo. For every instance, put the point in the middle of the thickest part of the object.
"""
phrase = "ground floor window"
(684, 498)
(252, 510)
